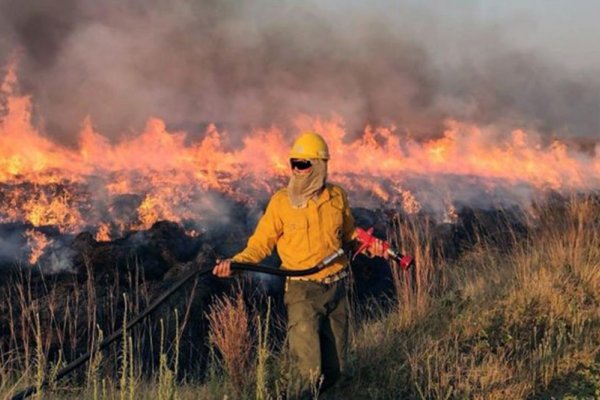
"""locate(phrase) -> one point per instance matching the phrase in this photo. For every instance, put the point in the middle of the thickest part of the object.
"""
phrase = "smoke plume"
(266, 62)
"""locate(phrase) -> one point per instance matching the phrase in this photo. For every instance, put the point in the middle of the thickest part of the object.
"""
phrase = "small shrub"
(230, 333)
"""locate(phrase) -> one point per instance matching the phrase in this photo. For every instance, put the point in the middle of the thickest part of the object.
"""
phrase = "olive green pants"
(317, 333)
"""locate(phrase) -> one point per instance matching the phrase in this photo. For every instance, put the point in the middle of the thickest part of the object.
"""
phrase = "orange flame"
(103, 234)
(37, 242)
(48, 184)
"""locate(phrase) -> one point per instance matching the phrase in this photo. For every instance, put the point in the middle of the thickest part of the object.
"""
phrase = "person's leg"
(329, 358)
(334, 335)
(303, 336)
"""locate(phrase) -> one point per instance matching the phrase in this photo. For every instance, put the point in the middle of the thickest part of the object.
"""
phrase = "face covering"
(303, 186)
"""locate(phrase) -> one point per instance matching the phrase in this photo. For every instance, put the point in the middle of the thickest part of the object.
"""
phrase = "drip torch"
(367, 239)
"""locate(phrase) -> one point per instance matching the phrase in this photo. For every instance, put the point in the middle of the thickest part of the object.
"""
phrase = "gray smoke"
(13, 246)
(247, 64)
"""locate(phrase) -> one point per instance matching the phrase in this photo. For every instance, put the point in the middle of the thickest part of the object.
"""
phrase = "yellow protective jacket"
(303, 236)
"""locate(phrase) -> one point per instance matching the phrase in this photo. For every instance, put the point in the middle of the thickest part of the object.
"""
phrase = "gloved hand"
(377, 249)
(223, 268)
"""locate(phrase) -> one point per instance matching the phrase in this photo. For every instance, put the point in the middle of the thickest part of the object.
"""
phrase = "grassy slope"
(508, 326)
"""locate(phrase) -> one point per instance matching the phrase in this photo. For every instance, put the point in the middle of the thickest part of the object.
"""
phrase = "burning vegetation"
(91, 234)
(501, 216)
(109, 189)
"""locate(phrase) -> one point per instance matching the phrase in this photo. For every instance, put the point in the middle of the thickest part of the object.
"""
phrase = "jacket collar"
(325, 195)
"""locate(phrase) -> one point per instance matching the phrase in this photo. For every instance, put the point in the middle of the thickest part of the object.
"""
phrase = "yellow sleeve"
(265, 237)
(348, 227)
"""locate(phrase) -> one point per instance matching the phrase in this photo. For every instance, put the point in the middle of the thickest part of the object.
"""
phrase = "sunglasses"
(300, 164)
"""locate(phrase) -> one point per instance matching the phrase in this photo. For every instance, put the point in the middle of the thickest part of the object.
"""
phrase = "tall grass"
(516, 315)
(507, 325)
(230, 334)
(263, 354)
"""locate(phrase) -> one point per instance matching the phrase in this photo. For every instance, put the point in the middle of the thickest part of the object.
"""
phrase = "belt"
(328, 280)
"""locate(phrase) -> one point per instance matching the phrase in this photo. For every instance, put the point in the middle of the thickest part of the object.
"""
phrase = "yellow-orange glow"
(163, 172)
(103, 234)
(37, 242)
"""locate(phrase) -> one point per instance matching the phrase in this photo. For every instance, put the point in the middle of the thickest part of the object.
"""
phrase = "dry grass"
(230, 333)
(506, 326)
(516, 318)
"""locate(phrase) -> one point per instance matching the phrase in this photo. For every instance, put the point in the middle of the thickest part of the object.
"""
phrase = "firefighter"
(307, 221)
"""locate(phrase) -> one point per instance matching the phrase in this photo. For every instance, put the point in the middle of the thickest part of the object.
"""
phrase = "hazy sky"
(566, 30)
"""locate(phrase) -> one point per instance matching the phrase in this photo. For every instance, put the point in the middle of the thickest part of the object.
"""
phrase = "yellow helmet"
(310, 145)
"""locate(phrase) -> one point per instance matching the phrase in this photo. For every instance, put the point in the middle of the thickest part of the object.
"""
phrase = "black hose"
(235, 266)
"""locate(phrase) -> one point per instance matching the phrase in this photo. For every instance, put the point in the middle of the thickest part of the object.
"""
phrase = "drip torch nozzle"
(405, 261)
